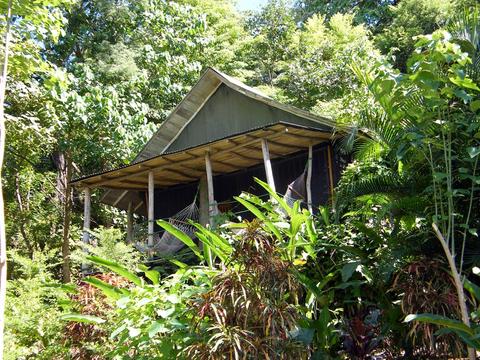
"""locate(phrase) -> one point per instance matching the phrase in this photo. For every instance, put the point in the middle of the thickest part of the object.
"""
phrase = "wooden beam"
(315, 140)
(151, 208)
(105, 180)
(249, 158)
(276, 143)
(271, 152)
(233, 167)
(309, 179)
(268, 165)
(122, 195)
(211, 197)
(288, 146)
(181, 173)
(138, 206)
(130, 222)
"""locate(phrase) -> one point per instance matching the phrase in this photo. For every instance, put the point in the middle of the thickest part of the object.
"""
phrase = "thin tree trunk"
(67, 212)
(21, 210)
(458, 284)
(3, 238)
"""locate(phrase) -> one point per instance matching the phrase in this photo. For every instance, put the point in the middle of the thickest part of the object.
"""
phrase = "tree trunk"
(458, 284)
(21, 210)
(67, 212)
(3, 238)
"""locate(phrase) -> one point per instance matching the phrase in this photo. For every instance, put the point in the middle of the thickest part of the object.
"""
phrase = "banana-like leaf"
(260, 215)
(116, 268)
(215, 239)
(108, 290)
(208, 254)
(88, 319)
(440, 320)
(181, 236)
(274, 195)
(212, 249)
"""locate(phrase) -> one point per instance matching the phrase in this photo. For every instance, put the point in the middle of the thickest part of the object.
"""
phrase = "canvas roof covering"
(233, 151)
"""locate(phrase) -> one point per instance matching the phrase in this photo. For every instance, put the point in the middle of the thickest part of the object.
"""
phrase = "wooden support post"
(268, 165)
(130, 223)
(309, 179)
(211, 197)
(86, 221)
(203, 200)
(330, 169)
(151, 208)
(86, 215)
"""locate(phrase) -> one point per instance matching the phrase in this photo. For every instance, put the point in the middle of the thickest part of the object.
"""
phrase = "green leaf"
(180, 236)
(348, 270)
(180, 264)
(215, 239)
(152, 275)
(260, 215)
(439, 320)
(155, 328)
(465, 82)
(209, 250)
(165, 313)
(108, 290)
(116, 268)
(472, 288)
(473, 151)
(87, 319)
(273, 194)
(475, 105)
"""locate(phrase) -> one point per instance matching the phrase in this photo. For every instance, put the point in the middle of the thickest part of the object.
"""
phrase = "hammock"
(296, 190)
(169, 244)
(166, 243)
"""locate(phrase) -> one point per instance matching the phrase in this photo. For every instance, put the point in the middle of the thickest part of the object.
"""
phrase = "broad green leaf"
(155, 328)
(348, 270)
(180, 264)
(273, 194)
(215, 239)
(108, 290)
(207, 253)
(152, 275)
(180, 236)
(211, 249)
(473, 151)
(439, 320)
(88, 319)
(258, 213)
(116, 268)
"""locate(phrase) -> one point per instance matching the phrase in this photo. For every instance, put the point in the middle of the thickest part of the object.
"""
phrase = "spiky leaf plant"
(250, 311)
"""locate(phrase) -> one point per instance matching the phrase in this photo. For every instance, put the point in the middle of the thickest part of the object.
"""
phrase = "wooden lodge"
(212, 145)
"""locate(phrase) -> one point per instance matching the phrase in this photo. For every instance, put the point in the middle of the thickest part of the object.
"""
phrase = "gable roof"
(193, 102)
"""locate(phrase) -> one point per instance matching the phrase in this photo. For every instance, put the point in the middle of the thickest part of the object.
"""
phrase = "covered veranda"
(201, 164)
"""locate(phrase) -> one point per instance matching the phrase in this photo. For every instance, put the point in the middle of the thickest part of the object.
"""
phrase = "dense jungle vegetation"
(387, 270)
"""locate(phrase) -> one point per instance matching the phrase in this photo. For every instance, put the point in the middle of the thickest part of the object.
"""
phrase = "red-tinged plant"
(426, 286)
(91, 301)
(251, 310)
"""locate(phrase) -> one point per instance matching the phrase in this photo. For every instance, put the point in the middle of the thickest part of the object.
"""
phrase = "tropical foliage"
(388, 268)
